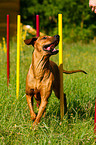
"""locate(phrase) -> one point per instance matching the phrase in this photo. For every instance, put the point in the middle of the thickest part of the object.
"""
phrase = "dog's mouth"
(51, 47)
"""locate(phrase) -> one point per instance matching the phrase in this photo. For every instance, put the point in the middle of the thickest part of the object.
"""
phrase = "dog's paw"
(36, 122)
(33, 117)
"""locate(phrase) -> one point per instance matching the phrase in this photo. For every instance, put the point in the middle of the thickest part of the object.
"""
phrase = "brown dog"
(43, 75)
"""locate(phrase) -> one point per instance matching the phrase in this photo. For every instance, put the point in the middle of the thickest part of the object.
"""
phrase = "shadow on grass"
(74, 110)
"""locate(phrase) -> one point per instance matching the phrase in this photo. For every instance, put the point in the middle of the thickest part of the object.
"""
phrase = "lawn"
(77, 127)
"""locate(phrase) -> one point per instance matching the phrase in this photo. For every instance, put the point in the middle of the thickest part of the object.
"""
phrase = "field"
(77, 127)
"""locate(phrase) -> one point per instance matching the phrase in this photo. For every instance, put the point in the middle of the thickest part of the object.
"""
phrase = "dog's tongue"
(51, 47)
(48, 48)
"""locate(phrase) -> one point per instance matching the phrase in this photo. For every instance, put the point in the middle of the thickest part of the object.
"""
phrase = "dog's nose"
(56, 36)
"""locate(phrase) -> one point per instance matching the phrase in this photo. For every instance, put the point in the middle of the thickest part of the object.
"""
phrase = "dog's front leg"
(30, 102)
(41, 111)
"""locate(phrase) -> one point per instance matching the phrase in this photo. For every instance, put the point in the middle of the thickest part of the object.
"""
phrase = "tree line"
(79, 22)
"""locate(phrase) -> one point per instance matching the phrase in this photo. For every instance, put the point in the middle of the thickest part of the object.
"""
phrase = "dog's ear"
(30, 41)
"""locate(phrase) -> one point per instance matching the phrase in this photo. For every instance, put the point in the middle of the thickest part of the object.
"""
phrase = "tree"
(76, 15)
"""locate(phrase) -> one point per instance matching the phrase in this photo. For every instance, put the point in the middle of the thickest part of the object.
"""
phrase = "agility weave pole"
(37, 25)
(18, 49)
(4, 44)
(18, 55)
(8, 57)
(61, 66)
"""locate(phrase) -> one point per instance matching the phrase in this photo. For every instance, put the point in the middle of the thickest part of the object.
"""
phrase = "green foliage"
(77, 34)
(77, 126)
(78, 19)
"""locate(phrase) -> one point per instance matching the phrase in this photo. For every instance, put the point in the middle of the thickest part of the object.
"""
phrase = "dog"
(43, 75)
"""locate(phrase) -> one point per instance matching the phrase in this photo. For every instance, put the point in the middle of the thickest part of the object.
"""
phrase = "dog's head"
(45, 44)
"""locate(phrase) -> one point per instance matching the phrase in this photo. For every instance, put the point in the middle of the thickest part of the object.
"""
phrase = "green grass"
(77, 127)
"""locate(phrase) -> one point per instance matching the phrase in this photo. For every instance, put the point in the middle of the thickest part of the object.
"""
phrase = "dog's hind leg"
(65, 103)
(30, 104)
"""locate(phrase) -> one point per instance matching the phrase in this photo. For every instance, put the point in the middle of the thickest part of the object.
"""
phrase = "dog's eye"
(44, 37)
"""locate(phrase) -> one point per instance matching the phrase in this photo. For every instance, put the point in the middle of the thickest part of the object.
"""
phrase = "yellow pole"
(0, 46)
(4, 45)
(18, 55)
(61, 66)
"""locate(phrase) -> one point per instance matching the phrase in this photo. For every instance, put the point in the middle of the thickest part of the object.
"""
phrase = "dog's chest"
(35, 84)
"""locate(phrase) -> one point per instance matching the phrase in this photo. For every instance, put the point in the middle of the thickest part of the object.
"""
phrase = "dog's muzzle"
(57, 37)
(50, 48)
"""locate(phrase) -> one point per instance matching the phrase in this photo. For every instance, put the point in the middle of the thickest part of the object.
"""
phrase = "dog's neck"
(39, 64)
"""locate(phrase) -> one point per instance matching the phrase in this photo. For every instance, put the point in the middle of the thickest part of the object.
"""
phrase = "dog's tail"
(73, 71)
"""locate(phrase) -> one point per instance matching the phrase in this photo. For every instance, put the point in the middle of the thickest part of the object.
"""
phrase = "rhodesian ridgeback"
(43, 75)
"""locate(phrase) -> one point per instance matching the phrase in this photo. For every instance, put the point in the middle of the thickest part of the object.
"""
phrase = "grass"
(77, 127)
